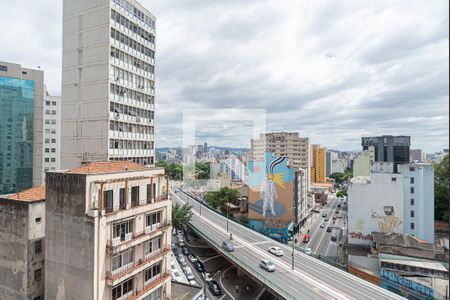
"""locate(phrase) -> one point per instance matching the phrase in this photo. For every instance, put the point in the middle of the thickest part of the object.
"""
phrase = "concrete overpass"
(310, 279)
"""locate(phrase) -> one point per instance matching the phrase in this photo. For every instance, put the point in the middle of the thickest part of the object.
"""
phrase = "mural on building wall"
(389, 222)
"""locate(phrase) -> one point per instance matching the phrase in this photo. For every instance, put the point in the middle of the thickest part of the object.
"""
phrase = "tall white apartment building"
(284, 144)
(108, 82)
(51, 157)
(108, 233)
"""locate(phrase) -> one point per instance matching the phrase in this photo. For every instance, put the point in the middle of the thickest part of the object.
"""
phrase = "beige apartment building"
(108, 82)
(108, 233)
(286, 144)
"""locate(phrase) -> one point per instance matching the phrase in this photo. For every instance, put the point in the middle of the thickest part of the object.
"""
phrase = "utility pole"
(228, 209)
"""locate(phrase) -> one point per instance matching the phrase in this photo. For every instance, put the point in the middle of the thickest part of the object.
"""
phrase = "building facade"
(389, 148)
(361, 164)
(318, 164)
(416, 155)
(21, 94)
(108, 82)
(283, 144)
(418, 190)
(22, 244)
(108, 232)
(51, 158)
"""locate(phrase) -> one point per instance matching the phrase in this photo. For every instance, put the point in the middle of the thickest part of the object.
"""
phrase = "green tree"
(338, 177)
(174, 171)
(181, 215)
(441, 189)
(221, 197)
(202, 170)
(341, 193)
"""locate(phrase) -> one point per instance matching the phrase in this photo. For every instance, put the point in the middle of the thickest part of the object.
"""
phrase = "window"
(122, 199)
(53, 159)
(108, 198)
(123, 230)
(155, 295)
(47, 111)
(122, 259)
(411, 180)
(152, 272)
(149, 193)
(47, 130)
(412, 226)
(47, 159)
(3, 68)
(47, 102)
(412, 190)
(412, 169)
(152, 246)
(54, 103)
(37, 274)
(412, 201)
(53, 112)
(47, 121)
(53, 140)
(47, 141)
(38, 247)
(153, 219)
(53, 150)
(412, 214)
(123, 289)
(134, 196)
(38, 220)
(47, 150)
(393, 179)
(53, 122)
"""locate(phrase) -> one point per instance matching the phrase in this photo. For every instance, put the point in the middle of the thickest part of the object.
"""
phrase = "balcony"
(116, 245)
(151, 285)
(114, 277)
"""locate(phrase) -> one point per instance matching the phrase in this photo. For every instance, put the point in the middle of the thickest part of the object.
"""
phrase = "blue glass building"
(16, 134)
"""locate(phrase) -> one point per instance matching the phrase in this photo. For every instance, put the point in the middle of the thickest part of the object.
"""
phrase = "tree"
(341, 193)
(202, 170)
(174, 171)
(221, 197)
(338, 177)
(181, 215)
(441, 189)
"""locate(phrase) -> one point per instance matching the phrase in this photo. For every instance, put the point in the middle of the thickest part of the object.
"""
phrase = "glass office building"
(16, 134)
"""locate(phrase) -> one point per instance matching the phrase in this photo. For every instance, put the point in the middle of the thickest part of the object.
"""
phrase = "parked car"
(328, 229)
(192, 258)
(207, 276)
(185, 251)
(308, 251)
(193, 282)
(322, 225)
(277, 251)
(182, 260)
(339, 206)
(181, 243)
(199, 266)
(188, 273)
(326, 219)
(324, 215)
(228, 245)
(333, 237)
(267, 265)
(214, 287)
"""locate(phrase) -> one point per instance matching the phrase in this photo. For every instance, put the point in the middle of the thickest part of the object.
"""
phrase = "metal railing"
(164, 275)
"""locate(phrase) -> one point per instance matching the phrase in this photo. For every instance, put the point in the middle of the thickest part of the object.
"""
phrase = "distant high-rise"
(51, 133)
(21, 94)
(416, 155)
(108, 82)
(318, 164)
(389, 148)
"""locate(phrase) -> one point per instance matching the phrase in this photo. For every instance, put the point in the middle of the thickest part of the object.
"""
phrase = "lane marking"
(223, 285)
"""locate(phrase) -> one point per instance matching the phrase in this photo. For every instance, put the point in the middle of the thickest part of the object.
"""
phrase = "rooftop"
(107, 167)
(33, 194)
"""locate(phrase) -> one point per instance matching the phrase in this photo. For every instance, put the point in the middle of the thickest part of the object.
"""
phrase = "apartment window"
(53, 112)
(47, 150)
(4, 68)
(412, 214)
(123, 289)
(108, 198)
(53, 140)
(53, 122)
(37, 274)
(53, 150)
(38, 220)
(411, 180)
(122, 259)
(38, 247)
(53, 159)
(155, 295)
(412, 226)
(53, 131)
(122, 202)
(412, 201)
(152, 272)
(47, 121)
(47, 141)
(47, 159)
(412, 190)
(47, 111)
(153, 219)
(149, 193)
(47, 130)
(393, 179)
(54, 103)
(152, 246)
(122, 230)
(134, 196)
(47, 102)
(412, 169)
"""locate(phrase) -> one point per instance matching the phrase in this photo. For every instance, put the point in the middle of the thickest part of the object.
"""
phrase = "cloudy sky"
(332, 70)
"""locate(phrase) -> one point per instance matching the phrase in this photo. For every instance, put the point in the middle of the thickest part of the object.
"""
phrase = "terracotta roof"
(34, 194)
(108, 167)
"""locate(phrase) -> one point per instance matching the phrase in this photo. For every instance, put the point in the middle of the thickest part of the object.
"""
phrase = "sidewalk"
(309, 225)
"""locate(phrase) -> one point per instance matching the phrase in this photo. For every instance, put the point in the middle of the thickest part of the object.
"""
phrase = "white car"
(207, 276)
(322, 225)
(267, 265)
(192, 258)
(193, 282)
(188, 273)
(277, 251)
(182, 260)
(308, 251)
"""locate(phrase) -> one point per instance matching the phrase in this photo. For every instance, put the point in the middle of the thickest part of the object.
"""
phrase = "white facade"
(233, 168)
(108, 82)
(304, 205)
(375, 203)
(51, 156)
(418, 189)
(339, 165)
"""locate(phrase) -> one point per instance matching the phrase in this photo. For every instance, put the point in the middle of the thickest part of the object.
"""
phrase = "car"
(188, 273)
(322, 225)
(193, 282)
(328, 229)
(339, 206)
(339, 217)
(199, 266)
(333, 237)
(324, 215)
(214, 287)
(179, 232)
(306, 238)
(334, 217)
(185, 251)
(277, 251)
(207, 276)
(308, 251)
(181, 243)
(228, 245)
(182, 260)
(326, 219)
(192, 258)
(267, 265)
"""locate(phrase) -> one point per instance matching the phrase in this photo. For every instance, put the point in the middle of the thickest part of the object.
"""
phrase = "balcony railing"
(133, 204)
(133, 236)
(112, 276)
(152, 285)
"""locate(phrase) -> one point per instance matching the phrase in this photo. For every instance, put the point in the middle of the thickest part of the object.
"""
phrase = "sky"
(332, 70)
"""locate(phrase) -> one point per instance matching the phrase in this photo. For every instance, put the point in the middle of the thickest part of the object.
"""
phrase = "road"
(310, 279)
(320, 241)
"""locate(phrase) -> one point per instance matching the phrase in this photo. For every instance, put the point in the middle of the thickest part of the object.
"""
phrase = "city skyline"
(325, 77)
